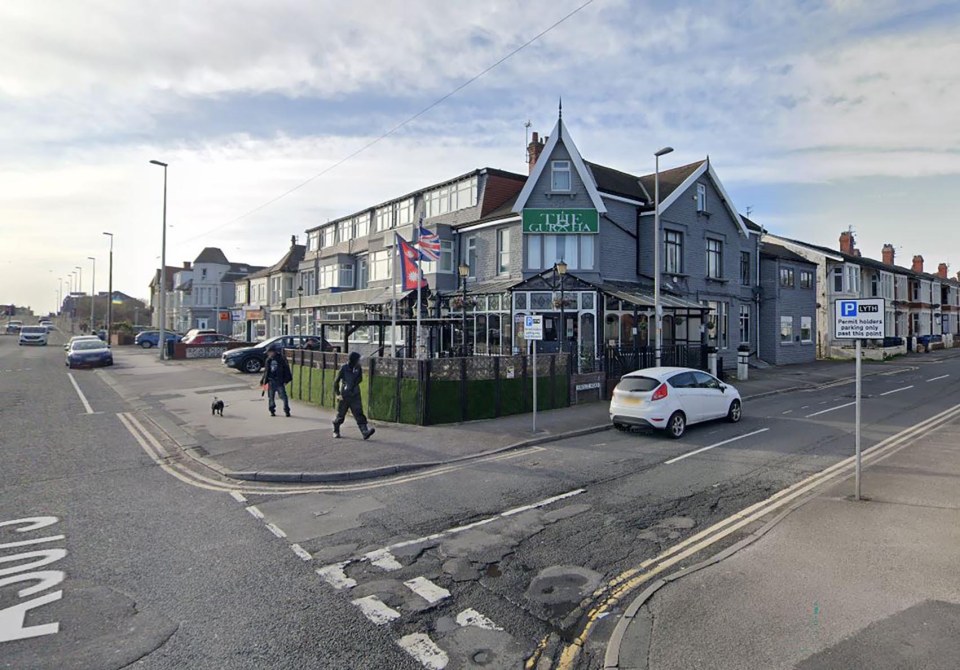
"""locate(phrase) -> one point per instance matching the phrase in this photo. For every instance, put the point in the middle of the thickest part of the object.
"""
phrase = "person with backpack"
(276, 376)
(346, 388)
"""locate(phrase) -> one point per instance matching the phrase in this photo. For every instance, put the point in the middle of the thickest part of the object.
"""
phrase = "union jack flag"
(428, 242)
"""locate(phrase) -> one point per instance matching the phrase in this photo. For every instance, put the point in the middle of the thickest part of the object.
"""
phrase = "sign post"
(533, 331)
(858, 320)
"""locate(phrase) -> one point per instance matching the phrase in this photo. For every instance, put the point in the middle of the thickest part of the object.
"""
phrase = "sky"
(818, 116)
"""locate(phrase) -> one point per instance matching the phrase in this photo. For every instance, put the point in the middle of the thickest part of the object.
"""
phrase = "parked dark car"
(209, 338)
(151, 338)
(251, 359)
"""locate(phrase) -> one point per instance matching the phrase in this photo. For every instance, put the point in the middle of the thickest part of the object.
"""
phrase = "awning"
(487, 287)
(643, 298)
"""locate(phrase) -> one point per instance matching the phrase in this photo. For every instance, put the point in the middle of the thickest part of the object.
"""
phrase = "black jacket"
(276, 370)
(347, 382)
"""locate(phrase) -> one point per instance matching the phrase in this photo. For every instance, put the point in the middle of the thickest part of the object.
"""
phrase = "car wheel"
(252, 365)
(735, 412)
(676, 426)
(146, 344)
(619, 426)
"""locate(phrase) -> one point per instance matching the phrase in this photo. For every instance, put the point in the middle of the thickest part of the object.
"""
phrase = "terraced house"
(571, 240)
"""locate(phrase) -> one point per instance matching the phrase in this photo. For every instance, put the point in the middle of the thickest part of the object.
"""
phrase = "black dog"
(216, 407)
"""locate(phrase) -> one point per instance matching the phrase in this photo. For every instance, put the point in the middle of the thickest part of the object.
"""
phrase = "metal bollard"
(712, 362)
(742, 366)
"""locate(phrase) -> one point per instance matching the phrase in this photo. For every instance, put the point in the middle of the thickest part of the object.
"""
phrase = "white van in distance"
(33, 335)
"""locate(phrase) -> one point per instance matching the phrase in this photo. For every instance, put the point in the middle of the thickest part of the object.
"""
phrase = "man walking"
(346, 388)
(276, 375)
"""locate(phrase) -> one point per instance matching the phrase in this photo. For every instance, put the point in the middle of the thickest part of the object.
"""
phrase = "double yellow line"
(607, 597)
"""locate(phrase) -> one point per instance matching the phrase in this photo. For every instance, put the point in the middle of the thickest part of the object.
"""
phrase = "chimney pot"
(942, 270)
(918, 263)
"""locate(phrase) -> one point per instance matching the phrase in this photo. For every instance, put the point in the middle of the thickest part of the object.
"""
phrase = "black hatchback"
(251, 359)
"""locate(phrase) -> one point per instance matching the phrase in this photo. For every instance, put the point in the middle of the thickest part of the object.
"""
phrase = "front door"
(202, 324)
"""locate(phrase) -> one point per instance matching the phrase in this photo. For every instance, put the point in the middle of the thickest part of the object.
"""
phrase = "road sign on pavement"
(533, 327)
(859, 319)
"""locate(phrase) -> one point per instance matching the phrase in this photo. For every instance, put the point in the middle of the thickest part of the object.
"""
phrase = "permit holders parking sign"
(859, 319)
(533, 327)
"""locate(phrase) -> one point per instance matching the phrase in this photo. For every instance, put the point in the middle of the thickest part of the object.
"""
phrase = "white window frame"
(701, 197)
(744, 324)
(559, 168)
(381, 263)
(673, 242)
(503, 251)
(786, 321)
(345, 276)
(806, 325)
(445, 264)
(470, 255)
(719, 256)
(578, 251)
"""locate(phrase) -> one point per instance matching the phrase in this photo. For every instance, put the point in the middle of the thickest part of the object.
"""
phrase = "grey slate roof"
(669, 179)
(776, 251)
(212, 255)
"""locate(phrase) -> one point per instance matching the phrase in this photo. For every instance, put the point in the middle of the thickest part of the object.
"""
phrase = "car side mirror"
(723, 389)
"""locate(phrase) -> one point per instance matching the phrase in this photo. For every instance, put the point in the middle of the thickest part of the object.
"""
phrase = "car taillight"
(660, 393)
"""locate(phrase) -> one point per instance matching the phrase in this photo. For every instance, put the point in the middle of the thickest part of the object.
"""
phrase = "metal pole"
(163, 269)
(463, 316)
(563, 316)
(658, 310)
(534, 386)
(859, 378)
(110, 289)
(393, 317)
(93, 292)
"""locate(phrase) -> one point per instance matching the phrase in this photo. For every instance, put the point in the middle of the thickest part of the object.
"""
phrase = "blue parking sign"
(848, 308)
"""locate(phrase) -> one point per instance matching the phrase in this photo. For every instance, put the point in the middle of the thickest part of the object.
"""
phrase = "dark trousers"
(356, 408)
(271, 399)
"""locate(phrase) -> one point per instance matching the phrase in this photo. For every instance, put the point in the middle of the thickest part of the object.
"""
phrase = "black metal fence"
(619, 361)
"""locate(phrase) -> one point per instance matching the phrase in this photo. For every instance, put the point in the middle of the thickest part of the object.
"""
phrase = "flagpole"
(393, 319)
(416, 239)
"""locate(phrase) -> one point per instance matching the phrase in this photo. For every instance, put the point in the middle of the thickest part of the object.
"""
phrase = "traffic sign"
(533, 327)
(859, 319)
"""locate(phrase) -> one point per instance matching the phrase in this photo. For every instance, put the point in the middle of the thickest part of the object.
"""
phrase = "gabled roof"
(560, 133)
(289, 263)
(776, 251)
(212, 255)
(751, 225)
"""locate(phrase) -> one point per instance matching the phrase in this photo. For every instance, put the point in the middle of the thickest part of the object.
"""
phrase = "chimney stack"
(917, 263)
(942, 270)
(847, 243)
(186, 265)
(534, 149)
(293, 240)
(888, 254)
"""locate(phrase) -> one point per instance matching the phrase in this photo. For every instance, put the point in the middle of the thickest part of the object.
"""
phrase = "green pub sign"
(561, 221)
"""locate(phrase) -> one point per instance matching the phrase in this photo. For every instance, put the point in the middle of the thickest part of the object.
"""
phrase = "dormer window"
(701, 197)
(560, 172)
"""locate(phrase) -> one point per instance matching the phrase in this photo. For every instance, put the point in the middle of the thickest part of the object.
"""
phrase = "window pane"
(571, 256)
(586, 252)
(550, 251)
(534, 251)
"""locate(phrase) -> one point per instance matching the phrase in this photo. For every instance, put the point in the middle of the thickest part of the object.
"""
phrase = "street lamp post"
(163, 267)
(110, 290)
(657, 308)
(300, 310)
(560, 268)
(60, 297)
(79, 271)
(464, 271)
(93, 293)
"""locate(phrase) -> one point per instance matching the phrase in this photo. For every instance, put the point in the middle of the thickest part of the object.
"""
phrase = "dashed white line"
(718, 444)
(384, 560)
(422, 648)
(239, 497)
(938, 378)
(542, 503)
(257, 514)
(471, 617)
(831, 409)
(789, 411)
(301, 552)
(376, 610)
(905, 388)
(336, 577)
(276, 530)
(427, 590)
(83, 398)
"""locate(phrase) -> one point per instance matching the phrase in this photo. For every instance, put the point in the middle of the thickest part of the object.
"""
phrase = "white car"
(670, 399)
(33, 335)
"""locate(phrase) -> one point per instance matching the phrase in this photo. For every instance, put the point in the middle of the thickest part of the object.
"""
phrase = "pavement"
(248, 444)
(834, 584)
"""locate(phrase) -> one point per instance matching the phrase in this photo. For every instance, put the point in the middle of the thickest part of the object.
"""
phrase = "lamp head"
(464, 270)
(299, 290)
(159, 163)
(663, 152)
(561, 267)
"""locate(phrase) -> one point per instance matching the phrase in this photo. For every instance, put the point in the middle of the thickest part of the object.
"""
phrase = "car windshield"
(88, 344)
(631, 384)
(33, 329)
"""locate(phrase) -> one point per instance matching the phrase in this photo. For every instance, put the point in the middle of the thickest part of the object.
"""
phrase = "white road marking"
(375, 610)
(427, 590)
(471, 617)
(542, 503)
(713, 446)
(824, 411)
(239, 497)
(257, 514)
(301, 552)
(422, 648)
(787, 412)
(905, 388)
(384, 560)
(276, 530)
(938, 378)
(336, 577)
(83, 398)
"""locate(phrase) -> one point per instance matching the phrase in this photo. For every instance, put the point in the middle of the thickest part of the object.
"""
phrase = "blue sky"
(819, 116)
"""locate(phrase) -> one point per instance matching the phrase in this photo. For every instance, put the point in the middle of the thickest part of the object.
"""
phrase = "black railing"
(619, 361)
